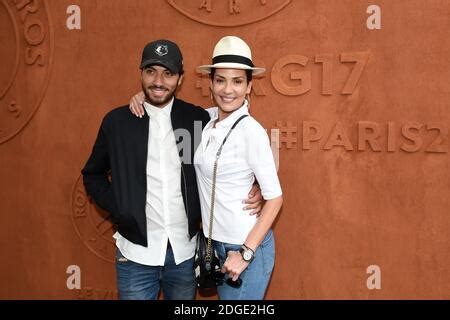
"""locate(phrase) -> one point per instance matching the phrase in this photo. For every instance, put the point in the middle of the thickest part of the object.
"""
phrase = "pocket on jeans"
(231, 247)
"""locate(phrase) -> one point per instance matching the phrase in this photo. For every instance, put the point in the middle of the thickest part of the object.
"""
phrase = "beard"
(158, 101)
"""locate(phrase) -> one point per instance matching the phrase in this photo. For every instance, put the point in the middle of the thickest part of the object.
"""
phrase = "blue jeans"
(140, 282)
(255, 277)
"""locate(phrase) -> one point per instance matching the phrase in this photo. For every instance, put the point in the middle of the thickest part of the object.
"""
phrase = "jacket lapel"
(177, 123)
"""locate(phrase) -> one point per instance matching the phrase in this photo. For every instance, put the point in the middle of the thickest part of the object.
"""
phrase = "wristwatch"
(247, 254)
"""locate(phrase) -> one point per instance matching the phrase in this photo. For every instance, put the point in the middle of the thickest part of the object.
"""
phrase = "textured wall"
(359, 95)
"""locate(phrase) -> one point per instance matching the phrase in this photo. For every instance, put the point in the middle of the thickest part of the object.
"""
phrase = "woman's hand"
(137, 104)
(234, 265)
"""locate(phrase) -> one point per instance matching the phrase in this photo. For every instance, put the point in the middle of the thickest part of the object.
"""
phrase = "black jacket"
(121, 151)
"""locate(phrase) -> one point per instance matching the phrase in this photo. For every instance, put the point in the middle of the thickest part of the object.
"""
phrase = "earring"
(247, 97)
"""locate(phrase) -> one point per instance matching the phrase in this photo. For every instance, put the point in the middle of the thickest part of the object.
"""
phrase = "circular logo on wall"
(229, 13)
(26, 48)
(92, 224)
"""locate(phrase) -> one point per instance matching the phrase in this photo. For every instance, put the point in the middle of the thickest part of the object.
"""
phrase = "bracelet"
(247, 247)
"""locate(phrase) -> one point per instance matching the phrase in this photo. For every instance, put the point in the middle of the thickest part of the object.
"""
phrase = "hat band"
(233, 59)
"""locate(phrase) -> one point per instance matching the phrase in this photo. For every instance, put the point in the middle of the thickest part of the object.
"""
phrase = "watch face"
(247, 255)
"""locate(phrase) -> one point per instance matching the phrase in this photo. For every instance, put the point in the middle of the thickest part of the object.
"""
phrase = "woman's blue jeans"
(255, 277)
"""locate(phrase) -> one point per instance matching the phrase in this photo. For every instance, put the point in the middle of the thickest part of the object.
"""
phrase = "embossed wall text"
(27, 54)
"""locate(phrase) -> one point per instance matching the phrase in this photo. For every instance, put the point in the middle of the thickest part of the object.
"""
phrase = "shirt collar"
(231, 119)
(153, 111)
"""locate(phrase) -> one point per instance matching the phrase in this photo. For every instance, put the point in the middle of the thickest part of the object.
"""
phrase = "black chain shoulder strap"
(213, 191)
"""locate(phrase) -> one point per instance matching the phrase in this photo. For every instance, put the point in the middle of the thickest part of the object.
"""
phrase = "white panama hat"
(231, 53)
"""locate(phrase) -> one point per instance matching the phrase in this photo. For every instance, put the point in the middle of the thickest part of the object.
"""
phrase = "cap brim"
(206, 69)
(165, 64)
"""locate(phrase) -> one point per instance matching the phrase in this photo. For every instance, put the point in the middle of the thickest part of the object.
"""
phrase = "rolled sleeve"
(262, 162)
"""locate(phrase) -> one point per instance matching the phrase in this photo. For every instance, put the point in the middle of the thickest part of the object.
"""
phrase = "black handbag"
(207, 264)
(207, 267)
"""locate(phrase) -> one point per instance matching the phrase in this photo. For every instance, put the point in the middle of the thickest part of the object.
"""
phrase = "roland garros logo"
(26, 48)
(228, 13)
(92, 224)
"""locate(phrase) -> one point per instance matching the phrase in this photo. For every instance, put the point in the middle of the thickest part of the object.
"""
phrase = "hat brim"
(155, 62)
(206, 69)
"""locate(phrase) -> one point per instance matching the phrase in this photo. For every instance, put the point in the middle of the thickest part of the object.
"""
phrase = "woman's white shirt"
(245, 155)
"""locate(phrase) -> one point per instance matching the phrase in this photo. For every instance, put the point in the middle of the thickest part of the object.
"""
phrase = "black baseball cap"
(164, 53)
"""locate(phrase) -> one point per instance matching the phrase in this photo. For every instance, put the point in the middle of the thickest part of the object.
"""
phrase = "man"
(152, 196)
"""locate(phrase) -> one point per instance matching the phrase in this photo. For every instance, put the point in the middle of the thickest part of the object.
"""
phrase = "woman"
(244, 243)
